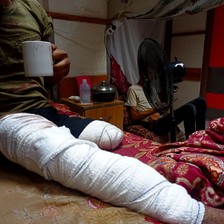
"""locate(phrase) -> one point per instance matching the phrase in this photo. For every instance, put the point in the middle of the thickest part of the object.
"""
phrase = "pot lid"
(104, 87)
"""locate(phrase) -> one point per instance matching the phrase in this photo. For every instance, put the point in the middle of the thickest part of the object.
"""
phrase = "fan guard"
(158, 77)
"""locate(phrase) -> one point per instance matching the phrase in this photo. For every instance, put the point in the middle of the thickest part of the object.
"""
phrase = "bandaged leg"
(105, 135)
(54, 153)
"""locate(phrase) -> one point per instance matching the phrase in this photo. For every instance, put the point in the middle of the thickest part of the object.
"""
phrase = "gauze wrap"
(40, 146)
(104, 134)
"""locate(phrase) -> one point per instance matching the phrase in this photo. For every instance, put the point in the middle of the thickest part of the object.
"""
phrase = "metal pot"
(103, 92)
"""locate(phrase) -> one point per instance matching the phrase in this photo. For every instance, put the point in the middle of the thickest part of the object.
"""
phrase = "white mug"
(37, 58)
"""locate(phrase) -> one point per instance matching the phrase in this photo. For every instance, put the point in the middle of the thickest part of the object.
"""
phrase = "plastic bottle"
(84, 92)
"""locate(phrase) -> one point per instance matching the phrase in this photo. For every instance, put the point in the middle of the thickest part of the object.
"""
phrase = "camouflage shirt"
(23, 20)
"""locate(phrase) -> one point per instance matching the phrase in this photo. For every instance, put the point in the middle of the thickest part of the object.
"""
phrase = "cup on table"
(37, 58)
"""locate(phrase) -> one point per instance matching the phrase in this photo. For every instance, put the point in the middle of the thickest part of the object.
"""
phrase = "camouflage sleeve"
(44, 20)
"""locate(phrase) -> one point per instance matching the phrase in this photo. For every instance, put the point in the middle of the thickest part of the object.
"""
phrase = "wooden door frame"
(207, 51)
(203, 77)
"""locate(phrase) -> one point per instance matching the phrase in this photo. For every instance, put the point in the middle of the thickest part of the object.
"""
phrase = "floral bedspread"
(196, 164)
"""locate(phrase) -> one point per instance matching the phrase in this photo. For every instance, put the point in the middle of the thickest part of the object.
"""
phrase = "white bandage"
(54, 153)
(105, 135)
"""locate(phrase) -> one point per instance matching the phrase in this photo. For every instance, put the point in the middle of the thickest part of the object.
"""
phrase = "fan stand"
(173, 125)
(179, 78)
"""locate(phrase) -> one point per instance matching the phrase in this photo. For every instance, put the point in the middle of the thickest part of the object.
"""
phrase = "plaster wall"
(189, 49)
(84, 42)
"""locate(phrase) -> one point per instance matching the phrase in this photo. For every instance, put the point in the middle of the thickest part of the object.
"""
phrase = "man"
(22, 20)
(26, 20)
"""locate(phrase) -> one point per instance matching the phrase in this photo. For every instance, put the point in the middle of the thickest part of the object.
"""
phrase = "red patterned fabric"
(197, 164)
(118, 78)
(63, 109)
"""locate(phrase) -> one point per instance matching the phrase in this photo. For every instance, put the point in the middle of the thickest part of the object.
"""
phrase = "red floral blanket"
(197, 164)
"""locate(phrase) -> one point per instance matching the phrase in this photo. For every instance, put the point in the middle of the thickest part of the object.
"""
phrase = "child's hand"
(153, 117)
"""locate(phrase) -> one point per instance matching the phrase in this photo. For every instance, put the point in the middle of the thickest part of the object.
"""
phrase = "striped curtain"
(215, 81)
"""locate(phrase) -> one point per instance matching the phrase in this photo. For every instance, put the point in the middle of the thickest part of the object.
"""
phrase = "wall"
(84, 44)
(188, 35)
(93, 8)
(83, 41)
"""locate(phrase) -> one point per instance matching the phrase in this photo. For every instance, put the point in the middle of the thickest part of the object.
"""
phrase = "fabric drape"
(123, 44)
(165, 9)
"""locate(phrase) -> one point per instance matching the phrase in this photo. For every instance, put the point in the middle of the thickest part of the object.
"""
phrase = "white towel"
(40, 146)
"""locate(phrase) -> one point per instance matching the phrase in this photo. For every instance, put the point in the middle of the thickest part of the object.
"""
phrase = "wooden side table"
(111, 112)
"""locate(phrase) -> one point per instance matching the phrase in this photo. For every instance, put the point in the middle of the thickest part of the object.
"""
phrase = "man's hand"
(61, 62)
(61, 65)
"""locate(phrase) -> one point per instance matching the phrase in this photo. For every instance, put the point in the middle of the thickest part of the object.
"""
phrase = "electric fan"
(159, 76)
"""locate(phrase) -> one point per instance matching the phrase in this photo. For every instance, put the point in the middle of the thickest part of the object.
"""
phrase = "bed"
(196, 164)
